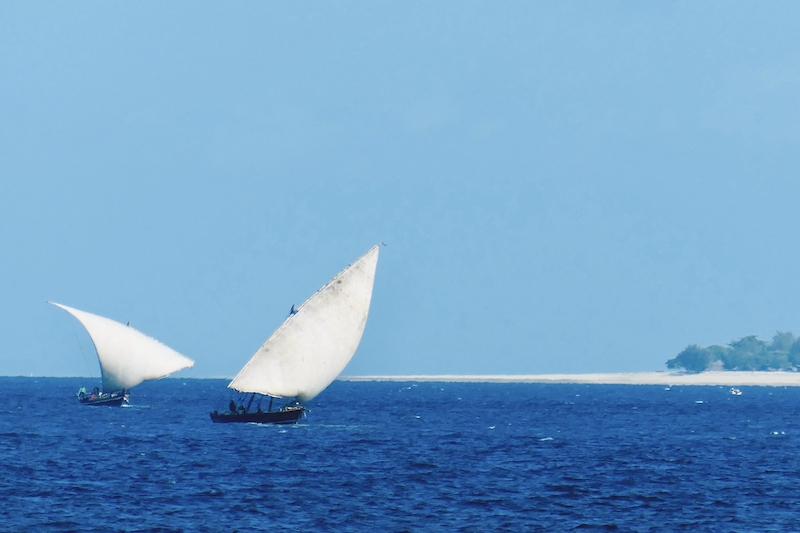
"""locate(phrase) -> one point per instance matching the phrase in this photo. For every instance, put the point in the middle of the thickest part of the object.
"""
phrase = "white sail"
(127, 356)
(303, 356)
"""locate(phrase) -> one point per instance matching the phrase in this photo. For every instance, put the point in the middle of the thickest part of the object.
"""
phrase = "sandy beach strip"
(711, 378)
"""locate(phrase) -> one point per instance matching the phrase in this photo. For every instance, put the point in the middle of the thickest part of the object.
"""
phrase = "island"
(748, 353)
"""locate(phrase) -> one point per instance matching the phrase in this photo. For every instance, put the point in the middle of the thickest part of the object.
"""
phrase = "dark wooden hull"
(284, 416)
(108, 401)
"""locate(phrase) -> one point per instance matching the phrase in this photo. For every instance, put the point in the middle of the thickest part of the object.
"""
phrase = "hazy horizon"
(668, 378)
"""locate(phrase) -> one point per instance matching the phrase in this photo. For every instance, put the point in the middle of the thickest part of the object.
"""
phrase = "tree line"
(747, 353)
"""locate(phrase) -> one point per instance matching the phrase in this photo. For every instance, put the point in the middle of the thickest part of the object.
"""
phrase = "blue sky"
(562, 186)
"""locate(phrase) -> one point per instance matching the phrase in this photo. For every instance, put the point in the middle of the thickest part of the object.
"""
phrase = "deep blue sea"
(403, 457)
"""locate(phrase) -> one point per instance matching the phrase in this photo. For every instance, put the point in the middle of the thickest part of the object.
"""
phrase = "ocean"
(403, 457)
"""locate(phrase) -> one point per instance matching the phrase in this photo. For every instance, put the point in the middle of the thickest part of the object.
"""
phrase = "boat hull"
(107, 401)
(285, 416)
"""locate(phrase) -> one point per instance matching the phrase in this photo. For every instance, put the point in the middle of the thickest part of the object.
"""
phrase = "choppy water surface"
(403, 457)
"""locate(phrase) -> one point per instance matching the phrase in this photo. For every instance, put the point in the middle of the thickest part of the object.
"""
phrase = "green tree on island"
(747, 353)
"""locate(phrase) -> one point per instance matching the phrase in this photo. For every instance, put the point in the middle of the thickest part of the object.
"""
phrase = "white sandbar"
(773, 379)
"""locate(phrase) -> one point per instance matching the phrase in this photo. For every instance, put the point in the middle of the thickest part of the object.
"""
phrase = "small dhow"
(308, 351)
(127, 358)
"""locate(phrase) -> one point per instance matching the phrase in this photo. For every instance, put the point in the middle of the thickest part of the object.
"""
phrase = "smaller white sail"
(127, 356)
(303, 356)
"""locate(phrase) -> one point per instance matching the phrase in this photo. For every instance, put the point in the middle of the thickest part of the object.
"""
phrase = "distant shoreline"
(710, 378)
(729, 378)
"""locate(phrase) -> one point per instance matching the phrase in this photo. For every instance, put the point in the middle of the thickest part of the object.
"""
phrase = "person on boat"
(232, 406)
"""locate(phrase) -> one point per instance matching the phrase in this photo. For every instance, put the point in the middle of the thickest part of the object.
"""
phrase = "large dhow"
(127, 358)
(308, 351)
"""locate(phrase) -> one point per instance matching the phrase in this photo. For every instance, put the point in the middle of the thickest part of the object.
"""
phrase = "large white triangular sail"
(127, 356)
(306, 353)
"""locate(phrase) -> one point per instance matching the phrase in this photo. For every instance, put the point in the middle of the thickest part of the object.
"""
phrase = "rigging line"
(85, 362)
(188, 371)
(252, 397)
